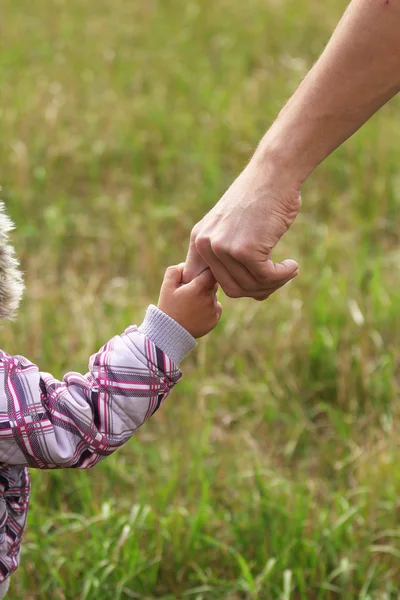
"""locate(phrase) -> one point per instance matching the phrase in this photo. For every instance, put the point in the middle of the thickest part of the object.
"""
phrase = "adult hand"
(237, 237)
(358, 72)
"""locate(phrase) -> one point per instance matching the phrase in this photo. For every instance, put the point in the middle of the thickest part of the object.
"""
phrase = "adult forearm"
(358, 72)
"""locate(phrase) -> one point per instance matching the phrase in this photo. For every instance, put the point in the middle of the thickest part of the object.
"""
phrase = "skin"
(358, 72)
(193, 305)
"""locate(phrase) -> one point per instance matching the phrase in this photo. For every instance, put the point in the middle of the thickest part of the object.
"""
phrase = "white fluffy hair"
(11, 281)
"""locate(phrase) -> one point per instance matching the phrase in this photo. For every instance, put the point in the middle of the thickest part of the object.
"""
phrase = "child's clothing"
(76, 422)
(4, 587)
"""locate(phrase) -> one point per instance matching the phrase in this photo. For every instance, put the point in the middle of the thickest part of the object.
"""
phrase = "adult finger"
(244, 284)
(194, 264)
(241, 275)
(235, 276)
(205, 281)
(269, 272)
(268, 292)
(221, 273)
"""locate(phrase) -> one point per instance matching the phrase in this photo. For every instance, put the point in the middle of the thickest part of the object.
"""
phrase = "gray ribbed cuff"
(167, 334)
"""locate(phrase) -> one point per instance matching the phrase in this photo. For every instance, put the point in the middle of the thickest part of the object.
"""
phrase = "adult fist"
(237, 237)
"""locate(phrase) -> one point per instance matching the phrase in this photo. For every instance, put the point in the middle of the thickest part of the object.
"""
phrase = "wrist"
(280, 162)
(291, 149)
(167, 334)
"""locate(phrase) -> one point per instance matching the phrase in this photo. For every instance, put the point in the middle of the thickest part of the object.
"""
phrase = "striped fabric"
(76, 422)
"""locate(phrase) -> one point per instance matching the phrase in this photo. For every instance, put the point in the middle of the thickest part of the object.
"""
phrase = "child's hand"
(193, 305)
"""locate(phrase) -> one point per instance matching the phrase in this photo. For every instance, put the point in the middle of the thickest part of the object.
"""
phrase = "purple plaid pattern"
(76, 422)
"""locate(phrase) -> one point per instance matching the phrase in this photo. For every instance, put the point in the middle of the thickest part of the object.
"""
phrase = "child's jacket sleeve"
(76, 422)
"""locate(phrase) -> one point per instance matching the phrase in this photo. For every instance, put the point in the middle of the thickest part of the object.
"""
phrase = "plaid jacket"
(76, 422)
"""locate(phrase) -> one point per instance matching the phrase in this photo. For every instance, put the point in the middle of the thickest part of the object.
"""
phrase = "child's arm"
(46, 423)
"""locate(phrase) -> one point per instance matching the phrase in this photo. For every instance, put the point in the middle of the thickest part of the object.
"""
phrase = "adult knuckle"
(202, 242)
(195, 232)
(241, 252)
(218, 246)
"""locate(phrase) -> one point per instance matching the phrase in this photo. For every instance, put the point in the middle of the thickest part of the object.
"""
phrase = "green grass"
(272, 471)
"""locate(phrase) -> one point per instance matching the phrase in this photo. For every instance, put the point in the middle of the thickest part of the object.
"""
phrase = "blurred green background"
(272, 472)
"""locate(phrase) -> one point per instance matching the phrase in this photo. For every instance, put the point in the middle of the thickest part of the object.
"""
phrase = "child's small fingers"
(173, 276)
